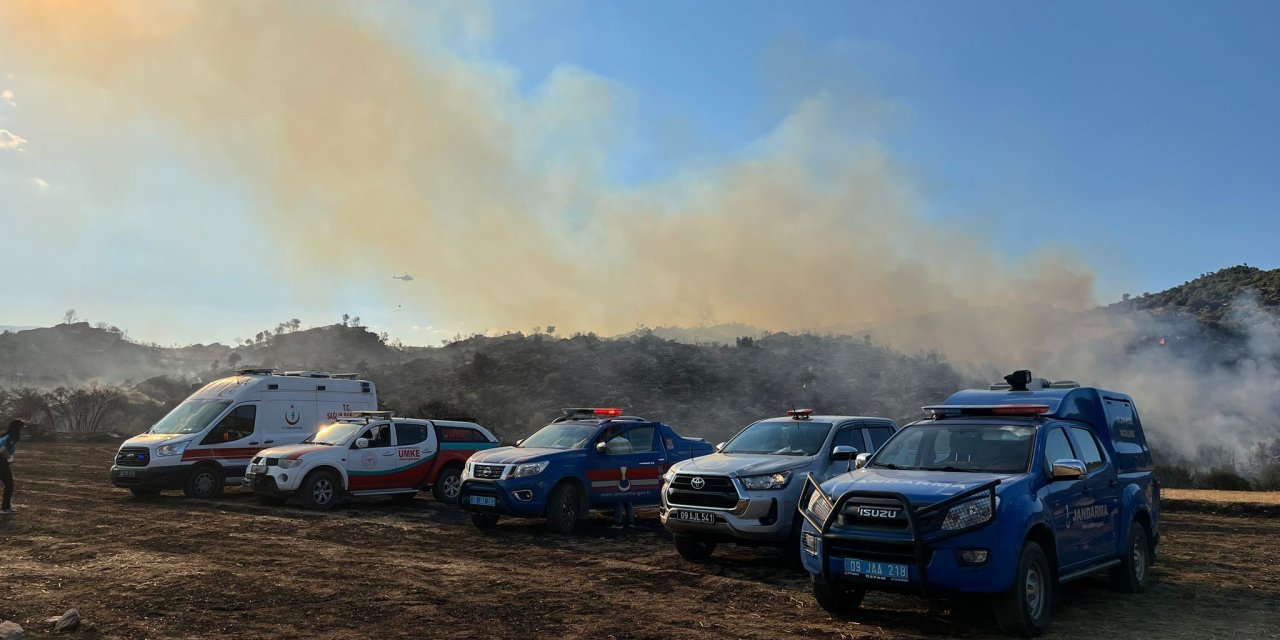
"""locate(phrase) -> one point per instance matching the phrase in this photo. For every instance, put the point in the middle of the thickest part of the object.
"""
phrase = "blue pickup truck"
(1008, 492)
(586, 460)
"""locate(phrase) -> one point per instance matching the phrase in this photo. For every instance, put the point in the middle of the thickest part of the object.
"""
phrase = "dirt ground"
(173, 567)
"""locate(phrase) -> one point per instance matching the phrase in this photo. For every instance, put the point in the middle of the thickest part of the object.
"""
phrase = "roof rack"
(254, 371)
(344, 376)
(307, 374)
(368, 415)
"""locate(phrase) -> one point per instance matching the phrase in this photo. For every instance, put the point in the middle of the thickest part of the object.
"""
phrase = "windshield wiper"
(887, 465)
(951, 468)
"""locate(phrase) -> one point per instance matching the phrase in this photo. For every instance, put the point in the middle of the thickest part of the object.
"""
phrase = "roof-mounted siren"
(254, 371)
(1023, 381)
(800, 414)
(373, 415)
(590, 412)
(955, 410)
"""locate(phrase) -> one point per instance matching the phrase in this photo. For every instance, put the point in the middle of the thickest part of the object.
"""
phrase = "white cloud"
(10, 140)
(7, 96)
(41, 185)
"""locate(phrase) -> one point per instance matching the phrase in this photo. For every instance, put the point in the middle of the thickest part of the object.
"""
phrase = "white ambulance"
(206, 442)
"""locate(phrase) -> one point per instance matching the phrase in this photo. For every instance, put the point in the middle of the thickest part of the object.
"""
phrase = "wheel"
(791, 548)
(484, 520)
(320, 490)
(205, 482)
(1134, 572)
(562, 509)
(404, 497)
(694, 548)
(270, 501)
(448, 485)
(1025, 610)
(139, 492)
(835, 599)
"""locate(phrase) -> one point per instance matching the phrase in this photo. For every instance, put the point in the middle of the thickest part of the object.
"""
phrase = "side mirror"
(862, 460)
(519, 442)
(362, 443)
(721, 446)
(1068, 469)
(844, 452)
(602, 448)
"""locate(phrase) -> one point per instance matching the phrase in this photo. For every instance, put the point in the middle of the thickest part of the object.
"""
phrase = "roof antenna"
(1018, 380)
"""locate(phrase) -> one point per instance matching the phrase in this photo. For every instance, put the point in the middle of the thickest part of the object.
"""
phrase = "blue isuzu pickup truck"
(586, 460)
(1007, 492)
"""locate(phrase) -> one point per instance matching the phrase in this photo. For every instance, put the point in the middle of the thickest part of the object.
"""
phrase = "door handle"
(648, 463)
(387, 453)
(253, 443)
(269, 442)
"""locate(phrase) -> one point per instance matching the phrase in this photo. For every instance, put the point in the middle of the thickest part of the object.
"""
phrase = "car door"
(371, 468)
(232, 442)
(849, 434)
(1062, 497)
(1097, 513)
(415, 451)
(630, 468)
(877, 435)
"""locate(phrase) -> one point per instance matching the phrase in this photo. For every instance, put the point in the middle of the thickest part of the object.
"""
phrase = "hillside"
(1209, 299)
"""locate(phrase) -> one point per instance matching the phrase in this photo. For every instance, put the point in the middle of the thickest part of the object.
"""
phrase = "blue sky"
(1139, 137)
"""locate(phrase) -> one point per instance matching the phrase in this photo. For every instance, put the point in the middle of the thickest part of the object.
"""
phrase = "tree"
(295, 324)
(233, 360)
(87, 410)
(1125, 297)
(70, 317)
(345, 318)
(214, 366)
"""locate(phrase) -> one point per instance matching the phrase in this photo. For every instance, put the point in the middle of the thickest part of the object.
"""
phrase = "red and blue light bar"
(1024, 410)
(800, 414)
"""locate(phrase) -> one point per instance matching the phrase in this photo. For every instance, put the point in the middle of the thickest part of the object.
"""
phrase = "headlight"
(669, 476)
(819, 506)
(466, 470)
(286, 463)
(529, 469)
(771, 481)
(969, 513)
(173, 449)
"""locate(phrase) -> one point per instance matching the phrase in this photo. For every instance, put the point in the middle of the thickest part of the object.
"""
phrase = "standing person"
(8, 447)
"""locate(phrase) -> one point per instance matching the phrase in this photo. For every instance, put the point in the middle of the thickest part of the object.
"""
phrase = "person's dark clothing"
(6, 476)
(623, 513)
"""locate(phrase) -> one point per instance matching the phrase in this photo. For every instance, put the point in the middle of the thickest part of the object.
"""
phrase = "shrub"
(1175, 477)
(1224, 479)
(1269, 477)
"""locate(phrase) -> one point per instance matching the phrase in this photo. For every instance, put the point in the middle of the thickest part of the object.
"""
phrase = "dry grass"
(1205, 495)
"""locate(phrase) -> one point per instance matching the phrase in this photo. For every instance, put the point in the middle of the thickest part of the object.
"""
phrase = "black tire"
(448, 485)
(320, 490)
(1134, 573)
(402, 498)
(140, 492)
(205, 482)
(835, 599)
(791, 548)
(562, 508)
(693, 547)
(484, 520)
(1027, 608)
(270, 501)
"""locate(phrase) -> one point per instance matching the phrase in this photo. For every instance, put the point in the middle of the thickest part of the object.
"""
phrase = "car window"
(849, 437)
(1088, 447)
(237, 425)
(461, 434)
(879, 436)
(410, 433)
(378, 436)
(1057, 448)
(637, 440)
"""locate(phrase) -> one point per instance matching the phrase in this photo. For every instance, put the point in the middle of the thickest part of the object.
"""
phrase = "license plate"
(483, 501)
(876, 570)
(257, 468)
(126, 474)
(704, 517)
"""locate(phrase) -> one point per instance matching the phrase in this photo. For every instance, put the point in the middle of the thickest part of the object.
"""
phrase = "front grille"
(488, 471)
(270, 462)
(133, 457)
(853, 517)
(716, 491)
(875, 551)
(482, 489)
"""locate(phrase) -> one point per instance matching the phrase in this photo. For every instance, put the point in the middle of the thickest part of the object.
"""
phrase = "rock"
(68, 622)
(10, 630)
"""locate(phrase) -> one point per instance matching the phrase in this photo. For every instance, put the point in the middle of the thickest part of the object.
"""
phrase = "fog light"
(973, 556)
(810, 543)
(284, 477)
(523, 495)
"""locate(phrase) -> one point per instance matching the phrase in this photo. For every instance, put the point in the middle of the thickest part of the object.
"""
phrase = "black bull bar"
(920, 539)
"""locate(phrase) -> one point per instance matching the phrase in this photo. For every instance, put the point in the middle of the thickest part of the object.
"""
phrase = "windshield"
(192, 416)
(335, 433)
(781, 438)
(989, 448)
(560, 436)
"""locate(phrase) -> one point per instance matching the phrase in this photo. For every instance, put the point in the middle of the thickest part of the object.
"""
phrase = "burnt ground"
(172, 567)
